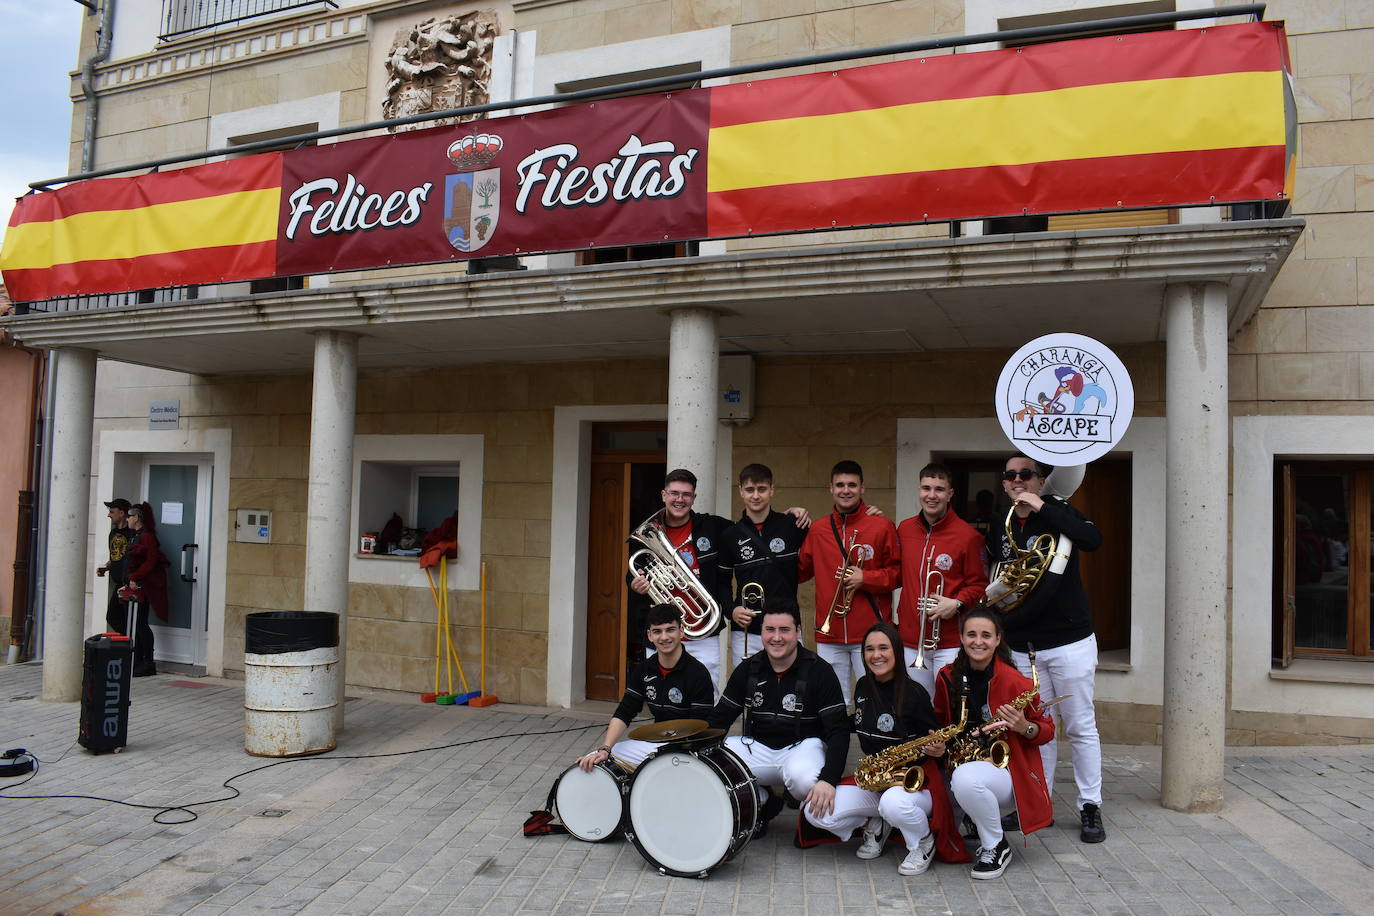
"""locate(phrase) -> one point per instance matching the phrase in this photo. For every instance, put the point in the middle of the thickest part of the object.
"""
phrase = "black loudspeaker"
(106, 669)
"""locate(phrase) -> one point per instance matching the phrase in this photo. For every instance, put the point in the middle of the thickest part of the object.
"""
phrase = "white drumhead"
(589, 804)
(681, 813)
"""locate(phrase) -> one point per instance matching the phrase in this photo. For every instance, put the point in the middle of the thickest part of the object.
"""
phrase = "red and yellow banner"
(1156, 119)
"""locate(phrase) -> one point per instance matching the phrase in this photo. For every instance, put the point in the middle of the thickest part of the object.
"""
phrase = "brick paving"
(439, 831)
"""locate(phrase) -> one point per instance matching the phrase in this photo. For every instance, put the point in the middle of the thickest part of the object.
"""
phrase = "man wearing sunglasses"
(1055, 619)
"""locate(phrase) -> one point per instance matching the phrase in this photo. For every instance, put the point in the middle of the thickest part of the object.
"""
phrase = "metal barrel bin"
(291, 686)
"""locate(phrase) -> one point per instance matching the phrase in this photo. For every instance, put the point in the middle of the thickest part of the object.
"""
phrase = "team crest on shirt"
(866, 551)
(703, 544)
(777, 545)
(885, 722)
(944, 562)
(746, 551)
(674, 695)
(651, 693)
(791, 703)
(758, 700)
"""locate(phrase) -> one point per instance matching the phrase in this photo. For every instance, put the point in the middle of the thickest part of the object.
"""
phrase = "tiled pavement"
(439, 831)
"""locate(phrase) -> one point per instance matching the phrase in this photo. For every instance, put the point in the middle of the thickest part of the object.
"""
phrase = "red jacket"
(1033, 804)
(957, 555)
(820, 557)
(148, 568)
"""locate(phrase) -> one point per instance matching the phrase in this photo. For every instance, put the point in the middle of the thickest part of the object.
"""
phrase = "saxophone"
(978, 744)
(900, 764)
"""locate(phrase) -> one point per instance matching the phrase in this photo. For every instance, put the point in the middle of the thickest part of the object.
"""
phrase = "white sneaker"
(875, 838)
(918, 859)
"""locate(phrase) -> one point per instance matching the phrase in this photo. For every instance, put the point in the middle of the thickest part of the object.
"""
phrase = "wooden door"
(608, 523)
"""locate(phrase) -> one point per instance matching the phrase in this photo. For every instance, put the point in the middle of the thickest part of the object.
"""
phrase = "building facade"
(547, 400)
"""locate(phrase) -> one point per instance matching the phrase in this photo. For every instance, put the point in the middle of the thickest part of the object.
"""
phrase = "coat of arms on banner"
(472, 197)
(1065, 399)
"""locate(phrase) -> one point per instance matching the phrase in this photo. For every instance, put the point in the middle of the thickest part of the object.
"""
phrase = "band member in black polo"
(762, 550)
(796, 729)
(673, 684)
(121, 535)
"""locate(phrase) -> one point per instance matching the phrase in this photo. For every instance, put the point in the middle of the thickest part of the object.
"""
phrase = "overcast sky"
(38, 47)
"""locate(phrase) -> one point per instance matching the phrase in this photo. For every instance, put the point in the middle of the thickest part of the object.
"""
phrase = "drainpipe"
(104, 37)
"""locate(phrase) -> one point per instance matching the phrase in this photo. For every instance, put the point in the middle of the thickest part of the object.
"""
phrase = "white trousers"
(934, 662)
(909, 812)
(984, 792)
(739, 651)
(1070, 670)
(706, 651)
(848, 662)
(795, 768)
(634, 752)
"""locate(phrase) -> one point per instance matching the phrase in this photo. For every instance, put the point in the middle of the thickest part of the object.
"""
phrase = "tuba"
(979, 743)
(900, 765)
(1014, 580)
(671, 581)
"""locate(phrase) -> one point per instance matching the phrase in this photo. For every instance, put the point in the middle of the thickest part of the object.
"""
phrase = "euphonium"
(978, 743)
(853, 559)
(671, 580)
(1014, 580)
(900, 765)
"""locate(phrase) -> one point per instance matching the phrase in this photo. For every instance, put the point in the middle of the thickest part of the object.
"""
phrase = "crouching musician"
(995, 760)
(897, 784)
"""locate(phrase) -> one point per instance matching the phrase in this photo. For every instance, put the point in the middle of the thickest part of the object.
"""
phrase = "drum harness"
(759, 672)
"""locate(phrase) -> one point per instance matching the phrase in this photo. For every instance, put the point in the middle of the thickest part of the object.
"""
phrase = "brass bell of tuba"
(671, 580)
(1014, 580)
(900, 764)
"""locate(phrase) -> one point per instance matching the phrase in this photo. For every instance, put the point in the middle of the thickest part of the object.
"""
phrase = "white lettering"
(353, 208)
(638, 171)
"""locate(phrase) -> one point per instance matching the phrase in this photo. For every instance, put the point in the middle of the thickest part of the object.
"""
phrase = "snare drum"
(692, 809)
(592, 805)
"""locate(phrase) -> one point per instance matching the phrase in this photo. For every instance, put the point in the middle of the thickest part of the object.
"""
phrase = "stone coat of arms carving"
(442, 63)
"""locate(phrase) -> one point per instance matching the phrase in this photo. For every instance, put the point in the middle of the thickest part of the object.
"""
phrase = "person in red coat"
(983, 790)
(147, 573)
(855, 551)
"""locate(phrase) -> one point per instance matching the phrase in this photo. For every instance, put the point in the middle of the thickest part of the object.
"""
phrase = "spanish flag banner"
(1177, 118)
(206, 224)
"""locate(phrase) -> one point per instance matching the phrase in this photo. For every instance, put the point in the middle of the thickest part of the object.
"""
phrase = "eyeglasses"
(1023, 474)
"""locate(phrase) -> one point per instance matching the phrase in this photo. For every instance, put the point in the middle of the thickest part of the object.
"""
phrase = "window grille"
(180, 17)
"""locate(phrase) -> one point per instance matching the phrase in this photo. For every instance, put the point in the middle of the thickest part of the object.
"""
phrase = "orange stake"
(485, 699)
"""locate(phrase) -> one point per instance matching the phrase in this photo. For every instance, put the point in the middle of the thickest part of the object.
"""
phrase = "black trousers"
(117, 618)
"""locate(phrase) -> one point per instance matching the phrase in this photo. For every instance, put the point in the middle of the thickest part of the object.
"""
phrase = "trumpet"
(671, 580)
(929, 595)
(853, 559)
(751, 598)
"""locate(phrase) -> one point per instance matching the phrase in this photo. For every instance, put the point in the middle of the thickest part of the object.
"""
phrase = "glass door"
(178, 489)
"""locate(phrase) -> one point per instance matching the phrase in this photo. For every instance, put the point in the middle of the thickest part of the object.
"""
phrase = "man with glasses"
(1055, 619)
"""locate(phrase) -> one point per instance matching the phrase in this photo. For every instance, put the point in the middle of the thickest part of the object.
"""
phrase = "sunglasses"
(1023, 474)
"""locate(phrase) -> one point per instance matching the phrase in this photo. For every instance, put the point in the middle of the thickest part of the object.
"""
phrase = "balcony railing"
(181, 17)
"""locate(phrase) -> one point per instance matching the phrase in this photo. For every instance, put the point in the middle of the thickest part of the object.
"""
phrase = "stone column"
(1195, 615)
(693, 380)
(69, 516)
(328, 540)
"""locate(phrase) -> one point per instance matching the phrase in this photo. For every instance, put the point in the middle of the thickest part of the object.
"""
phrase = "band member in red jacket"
(983, 790)
(854, 553)
(941, 553)
(147, 574)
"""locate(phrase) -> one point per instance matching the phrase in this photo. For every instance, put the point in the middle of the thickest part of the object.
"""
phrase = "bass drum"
(692, 810)
(592, 805)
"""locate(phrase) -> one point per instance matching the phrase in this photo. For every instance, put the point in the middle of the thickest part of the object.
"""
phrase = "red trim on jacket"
(1028, 786)
(820, 558)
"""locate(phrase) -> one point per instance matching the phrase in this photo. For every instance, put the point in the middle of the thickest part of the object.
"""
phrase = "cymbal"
(705, 736)
(669, 730)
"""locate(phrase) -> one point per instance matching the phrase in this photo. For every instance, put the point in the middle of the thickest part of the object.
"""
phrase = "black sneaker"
(1011, 822)
(967, 829)
(992, 862)
(1093, 831)
(770, 810)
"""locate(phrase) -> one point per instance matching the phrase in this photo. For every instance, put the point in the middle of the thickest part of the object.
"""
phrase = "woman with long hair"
(983, 790)
(889, 709)
(147, 583)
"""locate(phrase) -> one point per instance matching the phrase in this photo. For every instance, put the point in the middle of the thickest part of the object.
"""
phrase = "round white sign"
(1064, 399)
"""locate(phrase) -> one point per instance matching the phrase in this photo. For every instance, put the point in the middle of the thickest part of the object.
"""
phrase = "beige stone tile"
(1340, 329)
(353, 108)
(418, 605)
(366, 599)
(1242, 377)
(1331, 53)
(1303, 16)
(1297, 377)
(1340, 235)
(1362, 95)
(515, 500)
(647, 20)
(781, 383)
(1247, 339)
(1323, 98)
(949, 16)
(1365, 281)
(1318, 281)
(524, 427)
(529, 575)
(586, 31)
(1337, 143)
(833, 30)
(517, 649)
(250, 559)
(566, 384)
(1366, 390)
(505, 610)
(754, 10)
(691, 15)
(534, 618)
(534, 687)
(1359, 14)
(1364, 187)
(1282, 330)
(753, 42)
(536, 538)
(503, 537)
(888, 23)
(288, 527)
(1330, 189)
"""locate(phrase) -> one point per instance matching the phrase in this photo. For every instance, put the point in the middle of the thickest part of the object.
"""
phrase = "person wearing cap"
(117, 564)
